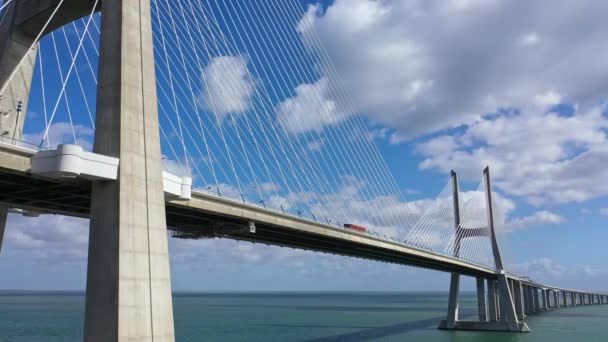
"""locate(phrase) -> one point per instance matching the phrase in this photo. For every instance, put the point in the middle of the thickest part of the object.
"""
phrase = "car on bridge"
(355, 227)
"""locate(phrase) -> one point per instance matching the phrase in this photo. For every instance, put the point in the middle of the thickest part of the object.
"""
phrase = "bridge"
(193, 139)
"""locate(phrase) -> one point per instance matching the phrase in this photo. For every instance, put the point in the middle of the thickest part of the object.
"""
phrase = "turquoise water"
(52, 317)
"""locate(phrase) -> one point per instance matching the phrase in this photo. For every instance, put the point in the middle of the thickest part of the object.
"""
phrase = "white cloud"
(542, 156)
(547, 270)
(227, 86)
(311, 108)
(63, 133)
(539, 218)
(530, 39)
(48, 238)
(424, 66)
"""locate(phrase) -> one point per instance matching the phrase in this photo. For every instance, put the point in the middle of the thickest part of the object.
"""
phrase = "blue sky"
(439, 85)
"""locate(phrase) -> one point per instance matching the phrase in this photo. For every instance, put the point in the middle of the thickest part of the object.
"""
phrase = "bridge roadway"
(208, 216)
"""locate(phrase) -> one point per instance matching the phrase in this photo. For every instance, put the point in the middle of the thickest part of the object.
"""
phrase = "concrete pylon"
(502, 312)
(452, 317)
(128, 279)
(508, 320)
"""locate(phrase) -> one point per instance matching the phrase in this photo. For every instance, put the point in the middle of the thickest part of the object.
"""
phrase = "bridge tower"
(497, 307)
(128, 280)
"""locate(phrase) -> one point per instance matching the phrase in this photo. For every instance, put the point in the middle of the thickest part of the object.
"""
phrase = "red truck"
(354, 227)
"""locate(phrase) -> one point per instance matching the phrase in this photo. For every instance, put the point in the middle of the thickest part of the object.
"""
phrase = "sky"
(437, 85)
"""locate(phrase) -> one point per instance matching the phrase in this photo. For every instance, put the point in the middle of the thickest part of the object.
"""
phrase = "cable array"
(242, 111)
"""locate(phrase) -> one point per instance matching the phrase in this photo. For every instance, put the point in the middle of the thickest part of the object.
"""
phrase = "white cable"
(31, 47)
(64, 82)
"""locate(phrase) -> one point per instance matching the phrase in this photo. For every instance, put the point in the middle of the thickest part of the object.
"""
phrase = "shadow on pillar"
(497, 308)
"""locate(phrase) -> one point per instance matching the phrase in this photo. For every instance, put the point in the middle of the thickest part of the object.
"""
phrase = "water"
(53, 317)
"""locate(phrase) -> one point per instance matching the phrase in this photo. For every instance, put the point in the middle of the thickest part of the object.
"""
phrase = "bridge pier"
(128, 279)
(555, 299)
(529, 300)
(519, 299)
(482, 307)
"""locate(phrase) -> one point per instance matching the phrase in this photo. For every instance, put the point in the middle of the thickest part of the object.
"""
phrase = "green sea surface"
(51, 317)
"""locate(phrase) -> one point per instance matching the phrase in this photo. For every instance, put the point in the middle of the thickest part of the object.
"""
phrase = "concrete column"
(3, 218)
(482, 306)
(492, 309)
(128, 280)
(545, 299)
(535, 299)
(527, 299)
(556, 298)
(564, 299)
(519, 300)
(453, 301)
(572, 300)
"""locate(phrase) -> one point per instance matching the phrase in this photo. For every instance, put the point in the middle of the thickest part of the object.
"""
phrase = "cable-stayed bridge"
(219, 119)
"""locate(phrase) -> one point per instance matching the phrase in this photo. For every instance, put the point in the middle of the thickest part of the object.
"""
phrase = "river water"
(50, 317)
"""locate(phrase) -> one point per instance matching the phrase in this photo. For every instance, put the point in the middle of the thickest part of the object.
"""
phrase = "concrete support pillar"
(492, 305)
(545, 299)
(527, 300)
(564, 299)
(128, 279)
(482, 306)
(3, 219)
(453, 301)
(535, 299)
(518, 293)
(531, 300)
(556, 299)
(572, 299)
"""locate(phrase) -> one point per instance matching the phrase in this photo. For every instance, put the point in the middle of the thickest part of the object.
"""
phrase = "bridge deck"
(206, 216)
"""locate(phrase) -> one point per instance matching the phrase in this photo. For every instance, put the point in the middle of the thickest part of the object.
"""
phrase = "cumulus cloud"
(548, 270)
(536, 153)
(227, 86)
(311, 108)
(48, 238)
(539, 218)
(63, 133)
(424, 66)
